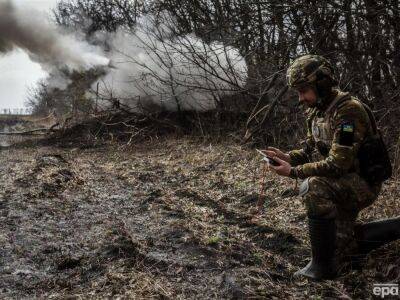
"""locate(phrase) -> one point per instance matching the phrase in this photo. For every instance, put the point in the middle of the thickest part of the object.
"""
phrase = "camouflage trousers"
(340, 198)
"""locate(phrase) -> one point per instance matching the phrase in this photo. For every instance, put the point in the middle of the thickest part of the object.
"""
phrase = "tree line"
(360, 37)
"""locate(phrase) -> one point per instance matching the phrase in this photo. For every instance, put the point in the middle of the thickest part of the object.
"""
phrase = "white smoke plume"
(29, 30)
(154, 68)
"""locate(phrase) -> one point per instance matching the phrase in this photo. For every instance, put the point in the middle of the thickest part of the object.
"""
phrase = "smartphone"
(268, 159)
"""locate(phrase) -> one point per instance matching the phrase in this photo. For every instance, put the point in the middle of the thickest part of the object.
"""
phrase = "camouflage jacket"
(336, 133)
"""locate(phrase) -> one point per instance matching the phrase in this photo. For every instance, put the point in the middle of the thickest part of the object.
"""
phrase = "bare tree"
(96, 15)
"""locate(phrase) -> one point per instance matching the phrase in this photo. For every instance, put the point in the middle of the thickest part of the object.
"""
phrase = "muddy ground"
(166, 218)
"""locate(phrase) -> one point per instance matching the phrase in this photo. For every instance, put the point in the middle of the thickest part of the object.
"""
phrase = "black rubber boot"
(372, 235)
(322, 237)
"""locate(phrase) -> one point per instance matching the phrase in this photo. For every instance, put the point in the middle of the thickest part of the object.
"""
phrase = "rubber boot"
(374, 234)
(322, 234)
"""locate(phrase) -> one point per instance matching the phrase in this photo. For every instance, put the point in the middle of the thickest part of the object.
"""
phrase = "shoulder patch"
(346, 136)
(348, 127)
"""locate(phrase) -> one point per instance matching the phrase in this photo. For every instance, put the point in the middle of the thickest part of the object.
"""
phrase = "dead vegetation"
(165, 217)
(129, 128)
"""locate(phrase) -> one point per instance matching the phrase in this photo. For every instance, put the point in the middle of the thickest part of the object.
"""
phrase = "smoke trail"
(154, 68)
(26, 29)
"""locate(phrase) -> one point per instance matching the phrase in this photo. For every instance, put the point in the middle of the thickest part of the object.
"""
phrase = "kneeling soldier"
(337, 184)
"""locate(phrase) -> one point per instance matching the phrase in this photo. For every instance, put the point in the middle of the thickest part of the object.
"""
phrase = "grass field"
(167, 219)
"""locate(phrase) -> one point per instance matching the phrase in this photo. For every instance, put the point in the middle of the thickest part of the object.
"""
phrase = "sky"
(17, 72)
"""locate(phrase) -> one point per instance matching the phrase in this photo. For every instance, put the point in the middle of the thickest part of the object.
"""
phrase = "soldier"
(333, 189)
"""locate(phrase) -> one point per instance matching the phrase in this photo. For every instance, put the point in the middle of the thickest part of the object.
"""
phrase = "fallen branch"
(30, 132)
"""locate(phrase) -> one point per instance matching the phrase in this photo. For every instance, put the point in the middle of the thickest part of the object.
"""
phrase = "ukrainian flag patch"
(346, 136)
(348, 127)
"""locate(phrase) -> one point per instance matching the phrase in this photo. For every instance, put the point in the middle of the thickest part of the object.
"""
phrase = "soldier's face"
(307, 96)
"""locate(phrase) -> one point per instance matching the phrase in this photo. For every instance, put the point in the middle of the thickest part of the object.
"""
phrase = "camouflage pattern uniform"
(332, 187)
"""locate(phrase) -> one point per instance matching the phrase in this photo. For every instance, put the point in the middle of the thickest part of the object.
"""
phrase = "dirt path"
(166, 219)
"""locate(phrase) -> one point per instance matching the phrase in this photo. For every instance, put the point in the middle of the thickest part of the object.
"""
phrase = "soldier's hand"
(274, 152)
(284, 167)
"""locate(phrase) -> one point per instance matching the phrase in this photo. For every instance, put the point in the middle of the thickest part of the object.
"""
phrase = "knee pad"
(304, 186)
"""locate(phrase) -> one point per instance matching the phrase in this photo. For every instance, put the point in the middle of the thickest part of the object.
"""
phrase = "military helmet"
(308, 69)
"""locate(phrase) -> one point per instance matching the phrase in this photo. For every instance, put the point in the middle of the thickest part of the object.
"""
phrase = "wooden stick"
(28, 132)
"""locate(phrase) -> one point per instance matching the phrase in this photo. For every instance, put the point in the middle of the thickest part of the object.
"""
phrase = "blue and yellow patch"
(348, 128)
(346, 135)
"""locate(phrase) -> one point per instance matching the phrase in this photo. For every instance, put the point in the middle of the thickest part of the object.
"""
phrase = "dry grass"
(167, 218)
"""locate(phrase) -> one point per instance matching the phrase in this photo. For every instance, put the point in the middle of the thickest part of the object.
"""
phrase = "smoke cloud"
(155, 68)
(26, 29)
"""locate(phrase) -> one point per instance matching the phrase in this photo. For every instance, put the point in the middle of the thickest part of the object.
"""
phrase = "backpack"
(375, 165)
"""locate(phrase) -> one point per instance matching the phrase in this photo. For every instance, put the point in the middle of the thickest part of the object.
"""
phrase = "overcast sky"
(17, 71)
